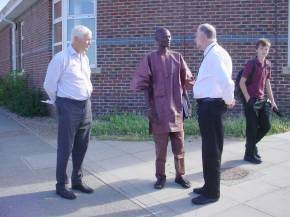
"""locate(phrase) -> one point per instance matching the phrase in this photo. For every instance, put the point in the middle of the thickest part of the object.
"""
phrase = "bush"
(19, 98)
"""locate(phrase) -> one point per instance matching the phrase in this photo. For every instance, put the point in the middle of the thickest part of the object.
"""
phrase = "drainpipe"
(13, 46)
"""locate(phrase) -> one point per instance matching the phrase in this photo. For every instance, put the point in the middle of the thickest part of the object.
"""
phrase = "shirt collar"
(209, 47)
(168, 52)
(73, 51)
(266, 62)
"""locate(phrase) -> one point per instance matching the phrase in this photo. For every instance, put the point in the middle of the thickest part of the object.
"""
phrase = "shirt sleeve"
(52, 77)
(223, 66)
(187, 79)
(142, 76)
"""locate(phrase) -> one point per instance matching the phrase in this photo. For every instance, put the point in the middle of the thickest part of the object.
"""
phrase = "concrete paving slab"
(242, 211)
(134, 147)
(40, 161)
(222, 205)
(275, 156)
(248, 190)
(274, 203)
(27, 182)
(122, 174)
(99, 153)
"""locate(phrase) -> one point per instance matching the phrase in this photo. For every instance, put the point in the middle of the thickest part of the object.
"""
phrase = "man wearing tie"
(68, 85)
(214, 92)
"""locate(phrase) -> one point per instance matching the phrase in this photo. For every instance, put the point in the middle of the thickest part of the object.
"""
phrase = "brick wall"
(36, 43)
(125, 33)
(5, 51)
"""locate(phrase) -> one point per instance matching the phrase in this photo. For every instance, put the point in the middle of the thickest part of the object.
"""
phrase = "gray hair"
(208, 30)
(80, 31)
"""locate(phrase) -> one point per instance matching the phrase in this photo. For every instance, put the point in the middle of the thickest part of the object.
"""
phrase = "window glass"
(77, 7)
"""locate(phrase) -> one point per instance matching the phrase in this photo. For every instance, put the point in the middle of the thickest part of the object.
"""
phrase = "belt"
(207, 99)
(72, 100)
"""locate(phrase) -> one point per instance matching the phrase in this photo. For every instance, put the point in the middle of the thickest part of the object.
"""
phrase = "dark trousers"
(177, 145)
(257, 123)
(210, 114)
(74, 125)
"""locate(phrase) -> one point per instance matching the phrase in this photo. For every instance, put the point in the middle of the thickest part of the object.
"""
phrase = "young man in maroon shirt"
(257, 107)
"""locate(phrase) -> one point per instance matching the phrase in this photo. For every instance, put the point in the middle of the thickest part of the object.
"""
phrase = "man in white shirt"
(68, 85)
(214, 92)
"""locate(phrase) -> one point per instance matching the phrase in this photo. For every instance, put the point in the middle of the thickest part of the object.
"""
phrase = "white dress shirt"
(68, 75)
(214, 78)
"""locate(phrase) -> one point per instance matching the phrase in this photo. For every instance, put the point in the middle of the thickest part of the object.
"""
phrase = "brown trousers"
(177, 145)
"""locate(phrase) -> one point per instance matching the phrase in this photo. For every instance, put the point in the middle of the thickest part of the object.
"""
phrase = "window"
(57, 27)
(66, 15)
(80, 7)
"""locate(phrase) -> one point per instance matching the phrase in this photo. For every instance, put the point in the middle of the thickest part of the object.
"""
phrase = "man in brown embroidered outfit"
(164, 77)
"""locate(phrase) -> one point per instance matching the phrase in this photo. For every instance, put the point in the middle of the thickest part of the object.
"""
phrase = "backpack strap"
(251, 75)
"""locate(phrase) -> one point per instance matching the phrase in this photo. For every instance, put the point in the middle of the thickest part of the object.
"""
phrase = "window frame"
(65, 17)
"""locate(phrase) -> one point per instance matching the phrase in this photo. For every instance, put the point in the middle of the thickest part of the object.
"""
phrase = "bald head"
(163, 37)
(160, 30)
(208, 30)
(205, 35)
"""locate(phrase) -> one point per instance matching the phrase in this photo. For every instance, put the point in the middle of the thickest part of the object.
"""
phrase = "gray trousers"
(74, 127)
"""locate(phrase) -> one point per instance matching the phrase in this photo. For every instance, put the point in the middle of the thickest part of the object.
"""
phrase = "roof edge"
(13, 9)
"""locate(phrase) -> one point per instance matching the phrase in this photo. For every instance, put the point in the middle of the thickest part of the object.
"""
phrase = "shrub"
(19, 98)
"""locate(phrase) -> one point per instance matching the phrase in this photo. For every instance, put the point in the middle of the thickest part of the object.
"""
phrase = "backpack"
(238, 92)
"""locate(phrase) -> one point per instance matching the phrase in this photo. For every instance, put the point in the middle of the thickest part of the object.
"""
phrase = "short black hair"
(159, 30)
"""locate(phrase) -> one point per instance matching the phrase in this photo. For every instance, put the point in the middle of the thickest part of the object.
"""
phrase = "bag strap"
(251, 75)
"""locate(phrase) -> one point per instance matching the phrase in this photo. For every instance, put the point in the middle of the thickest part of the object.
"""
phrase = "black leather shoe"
(83, 188)
(159, 184)
(65, 193)
(252, 159)
(201, 200)
(198, 190)
(183, 182)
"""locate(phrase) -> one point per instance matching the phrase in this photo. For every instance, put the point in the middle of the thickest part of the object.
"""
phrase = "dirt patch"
(231, 174)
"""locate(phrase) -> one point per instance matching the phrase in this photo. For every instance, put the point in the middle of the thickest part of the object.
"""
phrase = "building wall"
(125, 31)
(36, 42)
(125, 34)
(5, 51)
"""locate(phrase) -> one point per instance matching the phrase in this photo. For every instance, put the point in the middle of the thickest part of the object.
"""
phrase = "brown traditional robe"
(165, 77)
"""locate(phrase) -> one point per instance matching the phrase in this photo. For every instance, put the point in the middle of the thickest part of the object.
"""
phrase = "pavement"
(122, 174)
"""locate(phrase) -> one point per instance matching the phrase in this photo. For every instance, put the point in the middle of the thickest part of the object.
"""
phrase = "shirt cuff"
(52, 98)
(228, 99)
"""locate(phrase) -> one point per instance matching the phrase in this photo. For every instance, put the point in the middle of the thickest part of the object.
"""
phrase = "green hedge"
(16, 96)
